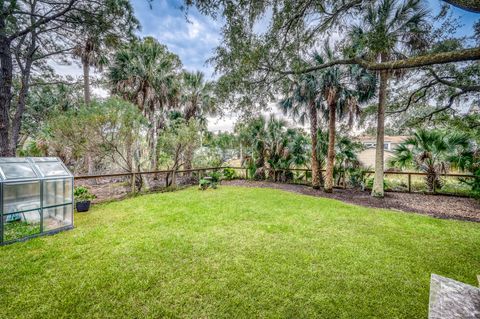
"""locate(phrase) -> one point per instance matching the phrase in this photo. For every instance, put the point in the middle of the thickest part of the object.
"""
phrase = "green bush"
(82, 194)
(369, 183)
(210, 181)
(229, 173)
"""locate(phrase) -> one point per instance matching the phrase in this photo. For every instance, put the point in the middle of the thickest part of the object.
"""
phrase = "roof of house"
(387, 138)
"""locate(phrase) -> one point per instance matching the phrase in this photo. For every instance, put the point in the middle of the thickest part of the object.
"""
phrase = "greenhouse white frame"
(36, 197)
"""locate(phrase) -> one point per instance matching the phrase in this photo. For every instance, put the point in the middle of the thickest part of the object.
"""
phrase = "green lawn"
(236, 252)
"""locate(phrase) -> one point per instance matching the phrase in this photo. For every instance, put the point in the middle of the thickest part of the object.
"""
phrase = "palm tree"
(276, 142)
(252, 135)
(342, 90)
(302, 103)
(387, 31)
(322, 151)
(345, 153)
(99, 34)
(346, 158)
(198, 101)
(429, 151)
(146, 74)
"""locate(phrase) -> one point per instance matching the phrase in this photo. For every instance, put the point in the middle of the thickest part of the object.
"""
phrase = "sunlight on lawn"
(236, 252)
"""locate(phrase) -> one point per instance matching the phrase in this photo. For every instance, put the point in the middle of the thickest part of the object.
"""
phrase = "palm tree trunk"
(86, 81)
(313, 134)
(377, 189)
(190, 148)
(331, 148)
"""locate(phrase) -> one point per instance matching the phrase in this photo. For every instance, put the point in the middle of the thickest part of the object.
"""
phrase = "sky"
(195, 40)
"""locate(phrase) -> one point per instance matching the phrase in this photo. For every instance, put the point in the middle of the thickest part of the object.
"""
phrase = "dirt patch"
(440, 206)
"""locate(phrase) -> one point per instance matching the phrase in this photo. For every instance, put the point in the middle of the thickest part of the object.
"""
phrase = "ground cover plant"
(236, 252)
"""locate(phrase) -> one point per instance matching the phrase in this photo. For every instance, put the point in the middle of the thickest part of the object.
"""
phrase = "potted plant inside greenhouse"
(83, 198)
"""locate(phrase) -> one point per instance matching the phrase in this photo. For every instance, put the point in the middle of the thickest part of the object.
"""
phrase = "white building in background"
(367, 156)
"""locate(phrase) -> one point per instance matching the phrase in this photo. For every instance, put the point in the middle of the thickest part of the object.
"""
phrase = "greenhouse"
(36, 197)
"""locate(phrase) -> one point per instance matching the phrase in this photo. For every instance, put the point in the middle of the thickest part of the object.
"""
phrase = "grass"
(236, 252)
(18, 229)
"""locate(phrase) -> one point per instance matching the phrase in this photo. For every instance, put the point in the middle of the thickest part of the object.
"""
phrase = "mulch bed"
(440, 206)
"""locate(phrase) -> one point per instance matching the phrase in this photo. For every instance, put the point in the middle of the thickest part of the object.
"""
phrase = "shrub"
(210, 181)
(82, 194)
(229, 173)
(216, 176)
(369, 183)
(357, 176)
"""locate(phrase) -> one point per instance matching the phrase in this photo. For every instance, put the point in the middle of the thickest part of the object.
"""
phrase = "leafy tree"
(223, 141)
(146, 74)
(256, 63)
(175, 138)
(109, 129)
(43, 102)
(429, 151)
(31, 33)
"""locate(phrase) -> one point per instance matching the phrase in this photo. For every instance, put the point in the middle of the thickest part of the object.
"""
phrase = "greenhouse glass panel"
(36, 197)
(21, 196)
(58, 191)
(17, 171)
(52, 169)
(57, 217)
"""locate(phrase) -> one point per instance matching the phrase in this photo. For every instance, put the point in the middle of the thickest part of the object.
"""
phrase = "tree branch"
(43, 21)
(470, 88)
(414, 62)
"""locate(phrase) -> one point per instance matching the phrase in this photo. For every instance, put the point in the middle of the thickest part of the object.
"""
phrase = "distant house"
(367, 156)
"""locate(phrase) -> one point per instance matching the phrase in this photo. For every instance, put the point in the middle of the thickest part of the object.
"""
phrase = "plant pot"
(82, 206)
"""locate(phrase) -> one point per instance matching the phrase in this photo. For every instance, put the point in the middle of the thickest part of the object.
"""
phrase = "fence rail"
(130, 185)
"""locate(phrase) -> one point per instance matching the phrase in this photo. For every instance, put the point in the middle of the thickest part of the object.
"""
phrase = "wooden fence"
(198, 173)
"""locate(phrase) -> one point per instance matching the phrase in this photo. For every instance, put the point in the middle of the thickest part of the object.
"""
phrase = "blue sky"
(193, 40)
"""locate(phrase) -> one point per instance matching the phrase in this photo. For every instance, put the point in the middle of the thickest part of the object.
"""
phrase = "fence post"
(409, 182)
(133, 183)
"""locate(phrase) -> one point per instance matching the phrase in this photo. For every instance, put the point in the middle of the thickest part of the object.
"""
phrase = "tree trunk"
(22, 94)
(377, 189)
(189, 114)
(86, 81)
(313, 134)
(20, 109)
(331, 147)
(5, 90)
(188, 159)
